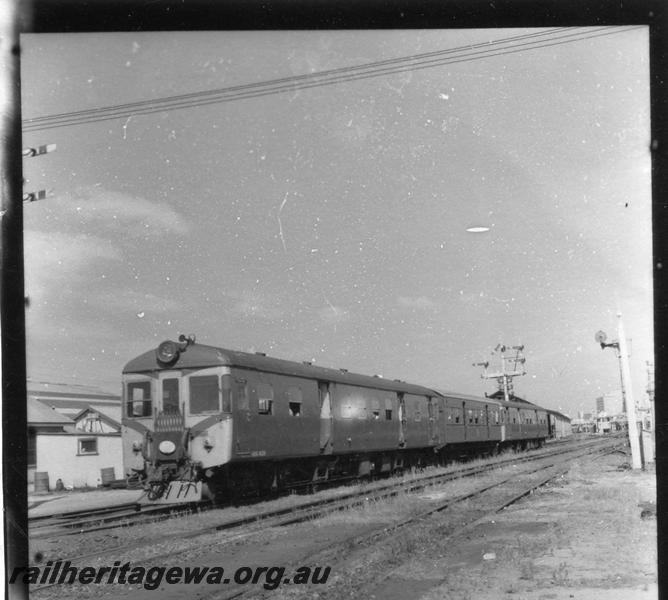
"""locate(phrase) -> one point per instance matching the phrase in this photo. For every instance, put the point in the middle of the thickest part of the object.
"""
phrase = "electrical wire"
(509, 45)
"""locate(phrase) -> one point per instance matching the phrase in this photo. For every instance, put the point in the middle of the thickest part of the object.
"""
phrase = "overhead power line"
(508, 45)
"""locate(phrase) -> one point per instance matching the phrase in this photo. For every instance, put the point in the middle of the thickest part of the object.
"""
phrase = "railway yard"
(567, 521)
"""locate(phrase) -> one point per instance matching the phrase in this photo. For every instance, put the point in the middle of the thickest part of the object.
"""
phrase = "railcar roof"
(489, 400)
(198, 356)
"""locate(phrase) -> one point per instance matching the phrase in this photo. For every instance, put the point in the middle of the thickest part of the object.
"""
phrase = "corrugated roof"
(45, 388)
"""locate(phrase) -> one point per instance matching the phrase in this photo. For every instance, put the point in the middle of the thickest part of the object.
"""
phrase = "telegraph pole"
(649, 433)
(12, 316)
(505, 377)
(627, 390)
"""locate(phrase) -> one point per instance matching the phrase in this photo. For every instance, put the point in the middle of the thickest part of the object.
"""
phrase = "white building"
(72, 440)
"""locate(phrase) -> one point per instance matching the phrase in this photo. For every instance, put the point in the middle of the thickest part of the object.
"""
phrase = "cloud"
(133, 215)
(54, 257)
(138, 303)
(416, 302)
(254, 304)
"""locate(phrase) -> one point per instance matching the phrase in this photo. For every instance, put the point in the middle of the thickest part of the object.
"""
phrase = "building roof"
(67, 390)
(498, 395)
(104, 418)
(559, 414)
(40, 414)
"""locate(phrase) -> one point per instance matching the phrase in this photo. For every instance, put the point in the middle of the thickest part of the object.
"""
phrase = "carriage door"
(402, 421)
(432, 430)
(325, 418)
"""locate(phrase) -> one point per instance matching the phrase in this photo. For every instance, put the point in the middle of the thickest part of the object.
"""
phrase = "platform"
(48, 504)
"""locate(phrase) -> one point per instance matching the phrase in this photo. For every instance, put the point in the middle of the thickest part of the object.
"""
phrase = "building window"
(204, 394)
(87, 446)
(138, 399)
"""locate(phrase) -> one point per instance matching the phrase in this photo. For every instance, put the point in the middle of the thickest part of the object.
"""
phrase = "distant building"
(73, 436)
(600, 405)
(560, 424)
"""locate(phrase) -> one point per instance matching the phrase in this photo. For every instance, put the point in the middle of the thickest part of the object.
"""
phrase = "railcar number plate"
(181, 491)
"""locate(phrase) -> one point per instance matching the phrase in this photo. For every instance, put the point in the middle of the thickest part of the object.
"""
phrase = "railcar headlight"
(136, 446)
(167, 352)
(167, 447)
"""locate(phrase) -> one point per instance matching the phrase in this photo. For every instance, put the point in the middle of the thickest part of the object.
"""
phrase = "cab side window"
(138, 399)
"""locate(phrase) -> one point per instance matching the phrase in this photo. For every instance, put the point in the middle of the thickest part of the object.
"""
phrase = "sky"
(329, 222)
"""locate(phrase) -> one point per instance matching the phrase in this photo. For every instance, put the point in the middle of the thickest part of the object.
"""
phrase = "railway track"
(101, 519)
(504, 493)
(135, 513)
(308, 510)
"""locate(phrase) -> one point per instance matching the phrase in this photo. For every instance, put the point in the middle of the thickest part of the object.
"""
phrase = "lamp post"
(627, 391)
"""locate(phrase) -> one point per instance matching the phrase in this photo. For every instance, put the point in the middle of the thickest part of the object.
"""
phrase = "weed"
(527, 570)
(560, 575)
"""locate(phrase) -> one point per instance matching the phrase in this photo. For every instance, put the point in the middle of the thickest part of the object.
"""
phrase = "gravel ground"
(582, 537)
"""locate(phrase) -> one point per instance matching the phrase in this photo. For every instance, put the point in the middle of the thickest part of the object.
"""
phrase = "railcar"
(203, 418)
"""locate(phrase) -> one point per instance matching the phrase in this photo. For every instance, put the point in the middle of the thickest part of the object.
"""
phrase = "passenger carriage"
(248, 422)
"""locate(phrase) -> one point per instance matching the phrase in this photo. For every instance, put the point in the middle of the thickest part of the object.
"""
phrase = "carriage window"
(265, 399)
(388, 409)
(294, 395)
(204, 394)
(138, 399)
(170, 395)
(375, 408)
(227, 393)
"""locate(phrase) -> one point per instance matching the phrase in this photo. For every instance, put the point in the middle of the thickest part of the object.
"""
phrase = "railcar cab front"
(176, 416)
